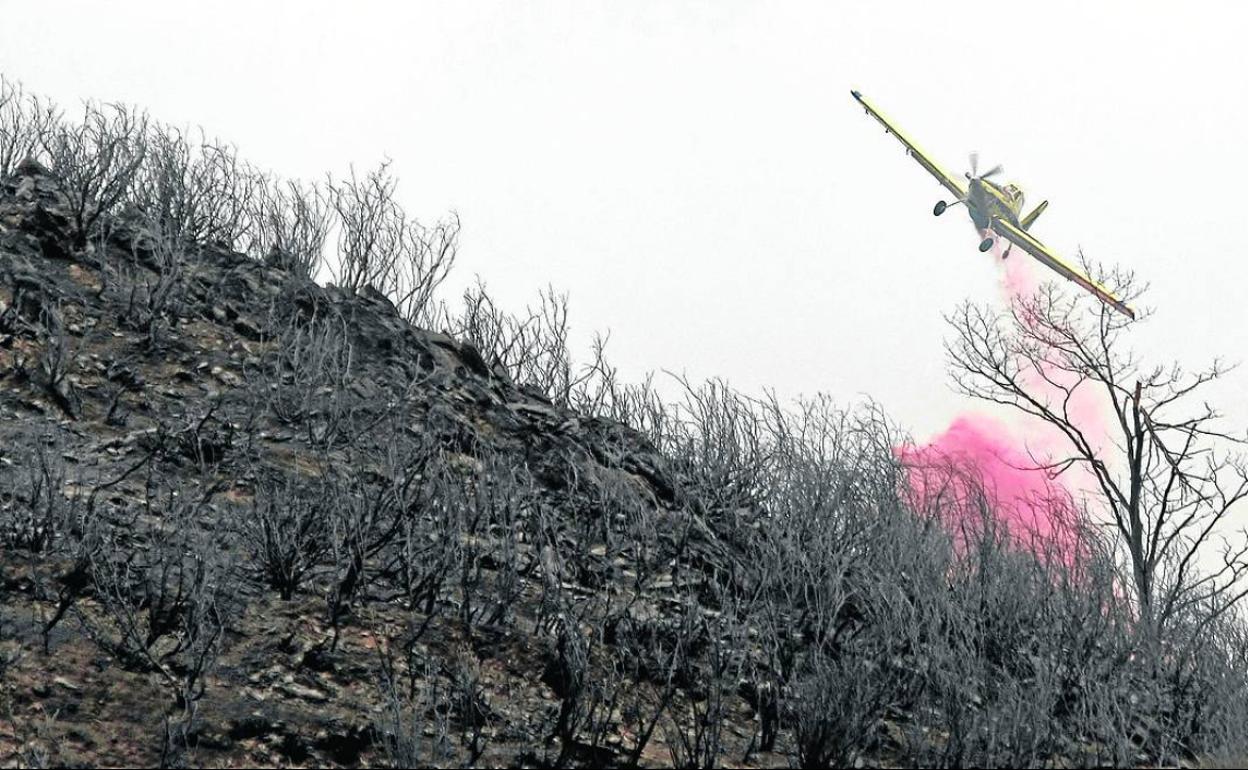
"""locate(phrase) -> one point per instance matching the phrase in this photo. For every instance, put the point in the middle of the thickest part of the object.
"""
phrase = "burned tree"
(1166, 478)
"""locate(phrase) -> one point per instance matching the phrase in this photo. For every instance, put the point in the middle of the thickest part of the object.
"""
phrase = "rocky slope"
(240, 510)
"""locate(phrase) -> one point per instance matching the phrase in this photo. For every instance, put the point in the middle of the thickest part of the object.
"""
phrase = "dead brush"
(26, 122)
(153, 282)
(193, 190)
(94, 162)
(290, 223)
(34, 509)
(307, 377)
(285, 532)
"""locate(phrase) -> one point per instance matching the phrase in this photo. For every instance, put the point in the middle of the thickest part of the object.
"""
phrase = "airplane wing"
(1027, 243)
(951, 183)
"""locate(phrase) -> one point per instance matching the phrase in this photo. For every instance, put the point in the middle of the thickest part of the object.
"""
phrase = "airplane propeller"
(974, 172)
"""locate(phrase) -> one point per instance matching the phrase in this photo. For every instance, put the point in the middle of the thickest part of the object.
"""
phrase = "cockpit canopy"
(1014, 192)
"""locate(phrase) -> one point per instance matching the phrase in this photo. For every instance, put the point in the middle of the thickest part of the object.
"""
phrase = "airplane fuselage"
(986, 201)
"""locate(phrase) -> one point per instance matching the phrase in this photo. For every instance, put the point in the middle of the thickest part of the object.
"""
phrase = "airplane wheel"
(940, 208)
(985, 244)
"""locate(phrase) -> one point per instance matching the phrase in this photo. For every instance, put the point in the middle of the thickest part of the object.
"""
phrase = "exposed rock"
(31, 167)
(473, 360)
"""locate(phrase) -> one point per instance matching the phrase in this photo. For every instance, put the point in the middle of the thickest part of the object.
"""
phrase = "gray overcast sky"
(696, 175)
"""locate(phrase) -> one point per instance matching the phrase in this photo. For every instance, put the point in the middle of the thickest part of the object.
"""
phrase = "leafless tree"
(424, 262)
(161, 603)
(381, 247)
(34, 511)
(1168, 482)
(696, 736)
(285, 533)
(306, 378)
(193, 190)
(638, 405)
(25, 121)
(414, 729)
(724, 446)
(371, 224)
(56, 362)
(533, 349)
(427, 547)
(154, 280)
(290, 224)
(833, 613)
(94, 162)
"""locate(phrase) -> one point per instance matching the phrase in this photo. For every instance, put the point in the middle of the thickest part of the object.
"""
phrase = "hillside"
(248, 519)
(234, 434)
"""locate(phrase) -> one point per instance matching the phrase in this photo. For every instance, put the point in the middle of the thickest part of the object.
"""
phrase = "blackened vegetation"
(250, 519)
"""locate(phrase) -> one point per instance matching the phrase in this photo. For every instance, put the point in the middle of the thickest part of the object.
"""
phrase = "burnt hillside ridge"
(118, 381)
(152, 390)
(248, 519)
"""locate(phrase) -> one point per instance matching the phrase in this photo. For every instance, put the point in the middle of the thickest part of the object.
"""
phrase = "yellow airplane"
(995, 208)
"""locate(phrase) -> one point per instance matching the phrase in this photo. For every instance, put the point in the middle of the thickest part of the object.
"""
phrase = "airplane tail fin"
(1034, 215)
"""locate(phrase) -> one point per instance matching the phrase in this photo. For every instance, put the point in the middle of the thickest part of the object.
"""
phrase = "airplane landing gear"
(940, 208)
(985, 244)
